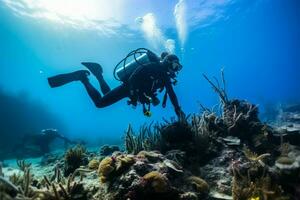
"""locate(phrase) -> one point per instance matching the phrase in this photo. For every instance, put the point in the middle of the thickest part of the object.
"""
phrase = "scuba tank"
(128, 66)
(123, 73)
(136, 58)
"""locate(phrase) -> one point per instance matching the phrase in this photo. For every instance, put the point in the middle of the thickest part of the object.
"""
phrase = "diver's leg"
(103, 85)
(62, 79)
(97, 70)
(114, 96)
(92, 92)
(110, 98)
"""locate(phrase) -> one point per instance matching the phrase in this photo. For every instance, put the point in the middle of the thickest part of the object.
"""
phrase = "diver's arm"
(164, 103)
(173, 98)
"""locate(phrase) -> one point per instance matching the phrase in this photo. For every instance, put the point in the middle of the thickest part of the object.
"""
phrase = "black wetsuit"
(145, 81)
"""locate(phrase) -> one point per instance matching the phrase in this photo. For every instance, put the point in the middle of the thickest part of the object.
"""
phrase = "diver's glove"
(148, 113)
(180, 114)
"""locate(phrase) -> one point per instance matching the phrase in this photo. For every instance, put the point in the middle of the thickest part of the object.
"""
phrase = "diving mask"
(176, 66)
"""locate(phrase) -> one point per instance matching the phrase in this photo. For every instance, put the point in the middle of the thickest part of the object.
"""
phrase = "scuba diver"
(142, 78)
(39, 144)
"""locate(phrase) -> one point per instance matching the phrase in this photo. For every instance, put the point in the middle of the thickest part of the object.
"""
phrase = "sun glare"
(76, 9)
(73, 9)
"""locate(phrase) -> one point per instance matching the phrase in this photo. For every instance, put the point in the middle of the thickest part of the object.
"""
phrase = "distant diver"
(142, 73)
(39, 144)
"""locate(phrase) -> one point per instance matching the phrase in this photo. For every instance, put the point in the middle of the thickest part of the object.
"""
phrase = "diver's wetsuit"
(146, 80)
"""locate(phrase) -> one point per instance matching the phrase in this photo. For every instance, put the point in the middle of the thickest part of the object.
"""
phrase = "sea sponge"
(106, 167)
(200, 185)
(93, 164)
(157, 181)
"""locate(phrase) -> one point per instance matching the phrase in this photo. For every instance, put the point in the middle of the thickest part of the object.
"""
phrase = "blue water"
(257, 42)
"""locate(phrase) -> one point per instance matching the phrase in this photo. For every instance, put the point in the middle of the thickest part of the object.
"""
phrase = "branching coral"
(252, 156)
(74, 158)
(218, 88)
(59, 191)
(239, 117)
(205, 129)
(57, 177)
(195, 137)
(23, 188)
(16, 179)
(7, 187)
(199, 124)
(28, 188)
(148, 138)
(23, 182)
(260, 188)
(254, 181)
(23, 165)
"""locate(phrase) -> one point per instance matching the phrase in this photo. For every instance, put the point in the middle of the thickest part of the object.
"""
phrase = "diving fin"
(95, 68)
(62, 79)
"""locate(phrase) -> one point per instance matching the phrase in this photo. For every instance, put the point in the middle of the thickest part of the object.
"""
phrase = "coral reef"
(217, 154)
(148, 175)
